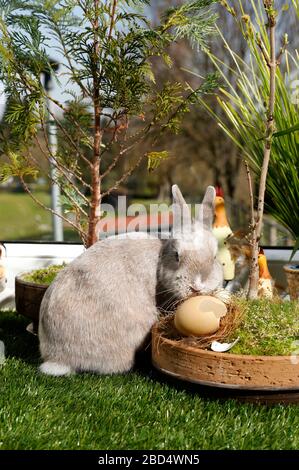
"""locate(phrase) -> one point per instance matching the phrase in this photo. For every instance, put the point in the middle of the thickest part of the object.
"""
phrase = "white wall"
(23, 257)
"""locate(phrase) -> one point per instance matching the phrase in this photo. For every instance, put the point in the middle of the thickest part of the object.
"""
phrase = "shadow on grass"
(145, 368)
(18, 342)
(259, 397)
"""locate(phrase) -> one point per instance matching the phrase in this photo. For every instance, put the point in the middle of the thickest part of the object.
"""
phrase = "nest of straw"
(228, 325)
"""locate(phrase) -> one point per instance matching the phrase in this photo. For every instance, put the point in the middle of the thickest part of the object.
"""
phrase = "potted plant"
(30, 289)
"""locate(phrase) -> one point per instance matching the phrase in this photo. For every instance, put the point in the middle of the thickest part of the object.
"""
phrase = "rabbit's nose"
(197, 285)
(194, 289)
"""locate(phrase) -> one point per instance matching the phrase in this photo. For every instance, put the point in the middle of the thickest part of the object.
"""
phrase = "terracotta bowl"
(29, 297)
(223, 369)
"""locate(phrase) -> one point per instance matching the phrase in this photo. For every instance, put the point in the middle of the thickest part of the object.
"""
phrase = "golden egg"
(199, 315)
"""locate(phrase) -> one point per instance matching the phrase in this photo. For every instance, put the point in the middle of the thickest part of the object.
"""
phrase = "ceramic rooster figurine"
(222, 231)
(265, 283)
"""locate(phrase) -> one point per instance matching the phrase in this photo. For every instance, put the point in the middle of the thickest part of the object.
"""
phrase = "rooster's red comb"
(219, 191)
(261, 251)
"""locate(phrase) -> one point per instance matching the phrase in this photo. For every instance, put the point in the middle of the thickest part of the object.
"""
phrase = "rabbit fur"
(99, 310)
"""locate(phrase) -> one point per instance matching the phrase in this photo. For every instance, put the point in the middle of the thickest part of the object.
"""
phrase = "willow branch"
(269, 131)
(249, 181)
(256, 235)
(264, 51)
(282, 50)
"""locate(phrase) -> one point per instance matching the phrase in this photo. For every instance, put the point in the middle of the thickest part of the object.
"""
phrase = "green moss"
(45, 275)
(268, 328)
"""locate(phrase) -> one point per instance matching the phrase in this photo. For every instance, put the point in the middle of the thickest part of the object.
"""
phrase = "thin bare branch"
(30, 158)
(62, 168)
(49, 209)
(124, 176)
(282, 49)
(272, 64)
(263, 50)
(112, 19)
(251, 198)
(112, 165)
(69, 61)
(66, 134)
(65, 110)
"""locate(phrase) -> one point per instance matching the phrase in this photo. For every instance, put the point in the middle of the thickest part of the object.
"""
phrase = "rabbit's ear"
(181, 212)
(208, 207)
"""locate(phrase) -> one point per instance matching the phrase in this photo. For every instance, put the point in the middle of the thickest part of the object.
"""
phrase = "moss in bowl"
(267, 328)
(30, 289)
(43, 276)
(264, 328)
(263, 359)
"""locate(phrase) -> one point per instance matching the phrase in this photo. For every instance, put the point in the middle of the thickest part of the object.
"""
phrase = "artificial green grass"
(133, 411)
(44, 276)
(267, 328)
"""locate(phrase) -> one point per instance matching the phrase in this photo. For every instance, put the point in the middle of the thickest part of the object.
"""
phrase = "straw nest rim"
(228, 325)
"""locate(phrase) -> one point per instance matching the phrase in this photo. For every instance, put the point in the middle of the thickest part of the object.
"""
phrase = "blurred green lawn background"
(22, 219)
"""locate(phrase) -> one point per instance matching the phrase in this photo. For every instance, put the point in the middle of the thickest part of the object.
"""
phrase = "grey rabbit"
(100, 309)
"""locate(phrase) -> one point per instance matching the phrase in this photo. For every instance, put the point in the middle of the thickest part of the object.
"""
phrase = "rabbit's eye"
(177, 256)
